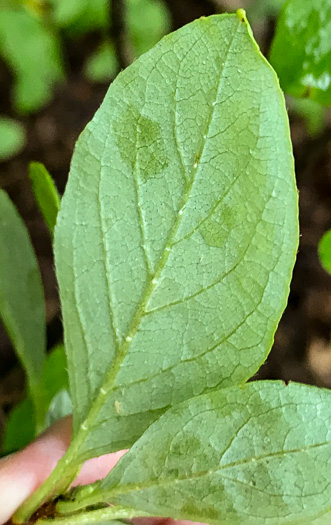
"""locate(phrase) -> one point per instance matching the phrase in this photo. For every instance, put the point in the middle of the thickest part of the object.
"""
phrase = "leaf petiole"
(61, 478)
(68, 507)
(97, 516)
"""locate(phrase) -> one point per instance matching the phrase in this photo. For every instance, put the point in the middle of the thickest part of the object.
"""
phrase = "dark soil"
(302, 349)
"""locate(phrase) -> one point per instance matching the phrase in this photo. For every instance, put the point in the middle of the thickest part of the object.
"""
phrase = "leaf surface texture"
(258, 454)
(171, 252)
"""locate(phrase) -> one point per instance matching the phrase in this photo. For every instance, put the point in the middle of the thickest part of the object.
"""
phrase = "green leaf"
(21, 427)
(60, 406)
(32, 51)
(259, 454)
(301, 50)
(55, 375)
(12, 138)
(80, 16)
(22, 305)
(311, 112)
(324, 251)
(171, 252)
(102, 66)
(45, 192)
(148, 21)
(324, 519)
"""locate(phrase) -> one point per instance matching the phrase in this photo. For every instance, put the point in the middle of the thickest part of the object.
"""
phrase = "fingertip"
(97, 468)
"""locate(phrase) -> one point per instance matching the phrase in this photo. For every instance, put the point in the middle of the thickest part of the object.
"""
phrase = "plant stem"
(68, 507)
(96, 516)
(61, 478)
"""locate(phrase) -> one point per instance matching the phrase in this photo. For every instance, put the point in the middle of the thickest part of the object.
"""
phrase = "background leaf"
(324, 251)
(21, 426)
(312, 113)
(301, 50)
(170, 249)
(45, 192)
(102, 65)
(55, 375)
(12, 138)
(80, 16)
(148, 21)
(32, 50)
(259, 454)
(60, 406)
(22, 305)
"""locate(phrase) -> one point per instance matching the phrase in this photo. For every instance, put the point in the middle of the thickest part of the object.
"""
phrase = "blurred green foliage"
(22, 303)
(324, 251)
(34, 35)
(258, 10)
(311, 112)
(79, 16)
(22, 309)
(12, 138)
(21, 425)
(148, 21)
(31, 49)
(45, 193)
(301, 50)
(31, 41)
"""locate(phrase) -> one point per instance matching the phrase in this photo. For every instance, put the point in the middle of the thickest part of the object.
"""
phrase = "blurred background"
(57, 59)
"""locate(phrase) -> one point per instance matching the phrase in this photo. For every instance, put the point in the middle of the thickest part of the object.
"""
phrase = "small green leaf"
(301, 50)
(312, 113)
(102, 66)
(45, 192)
(80, 16)
(20, 428)
(60, 406)
(22, 305)
(259, 455)
(12, 138)
(171, 252)
(148, 21)
(55, 375)
(32, 51)
(324, 251)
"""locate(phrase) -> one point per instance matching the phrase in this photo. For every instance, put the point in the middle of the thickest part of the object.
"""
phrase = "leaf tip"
(241, 14)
